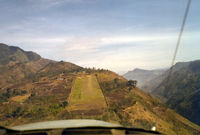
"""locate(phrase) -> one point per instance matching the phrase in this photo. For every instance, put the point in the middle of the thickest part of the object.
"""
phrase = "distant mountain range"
(143, 76)
(36, 89)
(181, 92)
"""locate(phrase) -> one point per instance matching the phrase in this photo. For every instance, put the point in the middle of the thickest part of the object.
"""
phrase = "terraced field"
(86, 96)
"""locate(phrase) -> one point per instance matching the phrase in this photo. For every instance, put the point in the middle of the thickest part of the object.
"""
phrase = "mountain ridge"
(16, 54)
(17, 64)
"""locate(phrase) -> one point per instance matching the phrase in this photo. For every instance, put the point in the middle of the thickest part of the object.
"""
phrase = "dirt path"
(86, 96)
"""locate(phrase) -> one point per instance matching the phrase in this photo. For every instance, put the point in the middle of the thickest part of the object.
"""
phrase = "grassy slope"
(145, 114)
(132, 107)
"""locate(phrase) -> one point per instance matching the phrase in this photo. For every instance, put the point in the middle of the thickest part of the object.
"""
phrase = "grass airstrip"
(86, 94)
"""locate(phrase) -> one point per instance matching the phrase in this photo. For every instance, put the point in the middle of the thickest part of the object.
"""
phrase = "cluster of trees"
(93, 70)
(55, 108)
(116, 84)
(14, 112)
(33, 111)
(10, 93)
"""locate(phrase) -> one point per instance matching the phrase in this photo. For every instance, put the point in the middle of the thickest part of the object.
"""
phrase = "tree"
(132, 83)
(23, 92)
(116, 80)
(65, 103)
(8, 93)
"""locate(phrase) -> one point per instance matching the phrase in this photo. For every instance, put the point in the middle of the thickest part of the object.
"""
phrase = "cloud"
(124, 53)
(82, 44)
(126, 59)
(133, 39)
(94, 44)
(35, 40)
(45, 4)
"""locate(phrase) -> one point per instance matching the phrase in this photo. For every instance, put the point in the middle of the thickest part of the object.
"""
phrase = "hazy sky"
(119, 35)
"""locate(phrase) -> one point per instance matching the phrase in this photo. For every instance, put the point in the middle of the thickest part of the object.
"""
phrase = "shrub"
(64, 104)
(23, 92)
(18, 112)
